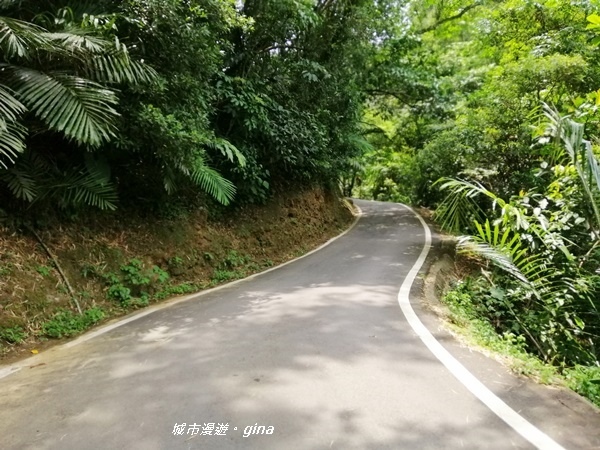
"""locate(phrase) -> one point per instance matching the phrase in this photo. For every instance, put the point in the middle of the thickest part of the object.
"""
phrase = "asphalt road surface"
(314, 355)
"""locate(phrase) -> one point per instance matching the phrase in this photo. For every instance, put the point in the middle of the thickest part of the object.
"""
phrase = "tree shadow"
(317, 349)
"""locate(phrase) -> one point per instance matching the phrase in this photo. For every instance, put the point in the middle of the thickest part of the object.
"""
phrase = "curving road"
(318, 353)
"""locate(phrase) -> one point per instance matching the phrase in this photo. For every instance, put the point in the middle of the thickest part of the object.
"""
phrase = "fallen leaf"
(34, 351)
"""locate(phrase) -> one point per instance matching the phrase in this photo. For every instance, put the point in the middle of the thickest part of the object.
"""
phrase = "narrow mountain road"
(314, 355)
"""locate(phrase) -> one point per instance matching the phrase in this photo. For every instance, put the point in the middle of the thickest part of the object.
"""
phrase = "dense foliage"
(484, 109)
(488, 112)
(155, 102)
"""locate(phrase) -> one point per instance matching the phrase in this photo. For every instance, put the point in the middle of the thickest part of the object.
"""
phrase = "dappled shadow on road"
(318, 350)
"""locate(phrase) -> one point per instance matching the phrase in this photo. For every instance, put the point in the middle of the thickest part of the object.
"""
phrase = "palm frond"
(12, 133)
(28, 178)
(90, 185)
(18, 38)
(210, 181)
(79, 108)
(11, 109)
(21, 183)
(499, 257)
(117, 69)
(101, 60)
(358, 142)
(228, 150)
(505, 250)
(12, 143)
(77, 42)
(169, 180)
(460, 207)
(214, 184)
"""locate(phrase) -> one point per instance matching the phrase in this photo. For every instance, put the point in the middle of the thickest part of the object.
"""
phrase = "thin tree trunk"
(58, 268)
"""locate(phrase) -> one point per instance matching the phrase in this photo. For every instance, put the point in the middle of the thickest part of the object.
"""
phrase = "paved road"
(319, 350)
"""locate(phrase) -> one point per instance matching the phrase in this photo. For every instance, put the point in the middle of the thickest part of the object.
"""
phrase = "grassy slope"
(116, 266)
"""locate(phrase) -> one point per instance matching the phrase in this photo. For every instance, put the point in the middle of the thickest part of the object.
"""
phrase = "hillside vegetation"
(492, 119)
(150, 148)
(167, 111)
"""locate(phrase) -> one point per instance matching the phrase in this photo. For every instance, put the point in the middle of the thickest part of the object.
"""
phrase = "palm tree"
(551, 263)
(64, 83)
(61, 81)
(61, 78)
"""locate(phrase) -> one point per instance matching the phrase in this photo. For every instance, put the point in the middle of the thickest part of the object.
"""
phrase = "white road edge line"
(32, 360)
(477, 388)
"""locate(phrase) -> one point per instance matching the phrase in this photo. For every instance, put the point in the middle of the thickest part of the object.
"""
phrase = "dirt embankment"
(115, 266)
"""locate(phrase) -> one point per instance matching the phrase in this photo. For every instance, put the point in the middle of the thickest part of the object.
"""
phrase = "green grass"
(178, 289)
(221, 276)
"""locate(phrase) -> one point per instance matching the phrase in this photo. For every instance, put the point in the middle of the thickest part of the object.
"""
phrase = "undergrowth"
(66, 323)
(470, 315)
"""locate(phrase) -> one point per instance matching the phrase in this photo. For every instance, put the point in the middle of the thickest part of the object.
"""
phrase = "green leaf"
(79, 108)
(214, 184)
(20, 39)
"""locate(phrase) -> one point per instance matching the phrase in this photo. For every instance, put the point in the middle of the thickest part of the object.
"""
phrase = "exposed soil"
(116, 265)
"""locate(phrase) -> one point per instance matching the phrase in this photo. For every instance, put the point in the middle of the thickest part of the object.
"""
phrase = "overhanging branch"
(456, 16)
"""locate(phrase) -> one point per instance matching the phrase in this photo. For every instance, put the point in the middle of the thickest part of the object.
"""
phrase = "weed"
(6, 270)
(119, 293)
(175, 261)
(464, 311)
(134, 273)
(139, 302)
(220, 276)
(91, 270)
(244, 231)
(62, 289)
(585, 381)
(65, 323)
(253, 267)
(43, 270)
(13, 335)
(180, 289)
(134, 284)
(234, 259)
(160, 275)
